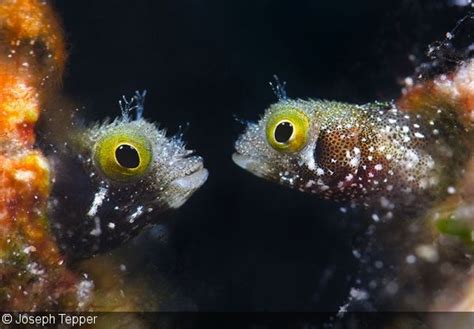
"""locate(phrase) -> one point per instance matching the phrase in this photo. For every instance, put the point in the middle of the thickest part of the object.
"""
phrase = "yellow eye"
(287, 130)
(123, 155)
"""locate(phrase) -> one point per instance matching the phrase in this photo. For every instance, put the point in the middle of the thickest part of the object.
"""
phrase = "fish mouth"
(243, 161)
(182, 188)
(251, 164)
(192, 180)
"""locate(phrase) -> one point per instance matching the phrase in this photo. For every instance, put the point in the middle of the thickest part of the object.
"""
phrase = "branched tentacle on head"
(279, 88)
(136, 103)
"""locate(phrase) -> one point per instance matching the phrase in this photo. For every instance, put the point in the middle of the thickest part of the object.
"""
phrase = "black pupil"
(283, 132)
(127, 156)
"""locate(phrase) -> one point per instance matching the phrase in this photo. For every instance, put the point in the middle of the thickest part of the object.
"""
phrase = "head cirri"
(112, 179)
(374, 154)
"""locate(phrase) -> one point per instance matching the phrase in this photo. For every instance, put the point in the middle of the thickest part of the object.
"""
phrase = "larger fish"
(377, 155)
(408, 162)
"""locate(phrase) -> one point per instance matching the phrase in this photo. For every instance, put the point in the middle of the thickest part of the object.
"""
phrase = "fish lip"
(253, 165)
(192, 180)
(186, 185)
(242, 161)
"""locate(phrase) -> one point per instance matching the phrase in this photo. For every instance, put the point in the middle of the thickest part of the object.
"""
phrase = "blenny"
(408, 162)
(78, 189)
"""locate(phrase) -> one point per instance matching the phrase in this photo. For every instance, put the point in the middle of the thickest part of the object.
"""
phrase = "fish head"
(113, 179)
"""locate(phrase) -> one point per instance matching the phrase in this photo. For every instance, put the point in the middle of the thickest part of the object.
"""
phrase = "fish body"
(408, 163)
(376, 155)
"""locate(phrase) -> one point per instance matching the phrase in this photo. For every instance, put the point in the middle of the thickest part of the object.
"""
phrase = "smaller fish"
(113, 179)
